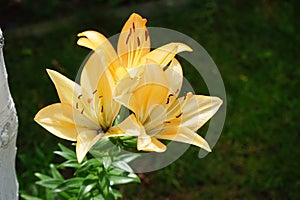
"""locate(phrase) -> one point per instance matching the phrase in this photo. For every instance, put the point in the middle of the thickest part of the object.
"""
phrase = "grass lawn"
(255, 46)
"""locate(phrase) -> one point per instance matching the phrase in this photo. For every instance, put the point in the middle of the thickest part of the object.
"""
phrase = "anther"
(79, 96)
(127, 39)
(133, 26)
(184, 98)
(95, 92)
(168, 99)
(138, 41)
(179, 115)
(76, 105)
(146, 35)
(101, 108)
(82, 111)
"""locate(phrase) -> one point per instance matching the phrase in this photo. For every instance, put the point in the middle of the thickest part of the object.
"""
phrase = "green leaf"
(128, 157)
(122, 165)
(42, 176)
(72, 183)
(69, 163)
(66, 155)
(117, 194)
(119, 180)
(50, 183)
(106, 162)
(55, 173)
(29, 197)
(86, 188)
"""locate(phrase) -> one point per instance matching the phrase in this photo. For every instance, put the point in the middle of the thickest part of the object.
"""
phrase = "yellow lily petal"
(92, 71)
(134, 41)
(151, 90)
(107, 108)
(174, 76)
(66, 88)
(129, 127)
(148, 143)
(198, 109)
(185, 135)
(85, 141)
(98, 42)
(94, 40)
(59, 120)
(163, 55)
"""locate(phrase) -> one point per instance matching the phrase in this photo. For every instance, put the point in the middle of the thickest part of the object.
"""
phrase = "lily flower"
(133, 49)
(86, 112)
(158, 111)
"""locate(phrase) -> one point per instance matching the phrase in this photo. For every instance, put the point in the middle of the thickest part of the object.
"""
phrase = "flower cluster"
(146, 82)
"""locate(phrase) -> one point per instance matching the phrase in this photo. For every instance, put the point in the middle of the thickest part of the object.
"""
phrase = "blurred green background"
(255, 46)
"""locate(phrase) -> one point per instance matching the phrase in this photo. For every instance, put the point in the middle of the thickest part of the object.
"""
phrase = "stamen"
(101, 108)
(95, 92)
(133, 26)
(138, 41)
(168, 99)
(167, 122)
(165, 68)
(177, 91)
(127, 39)
(79, 96)
(184, 98)
(100, 96)
(76, 105)
(179, 115)
(146, 35)
(82, 111)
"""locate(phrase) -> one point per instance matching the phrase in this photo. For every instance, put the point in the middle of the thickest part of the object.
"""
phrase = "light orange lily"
(133, 49)
(86, 111)
(158, 111)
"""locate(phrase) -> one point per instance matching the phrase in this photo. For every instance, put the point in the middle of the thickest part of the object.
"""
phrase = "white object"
(8, 135)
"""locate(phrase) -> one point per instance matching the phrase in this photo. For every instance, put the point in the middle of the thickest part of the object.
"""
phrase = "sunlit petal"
(174, 76)
(163, 55)
(148, 143)
(92, 71)
(152, 89)
(59, 120)
(185, 135)
(198, 109)
(66, 88)
(85, 140)
(134, 41)
(129, 127)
